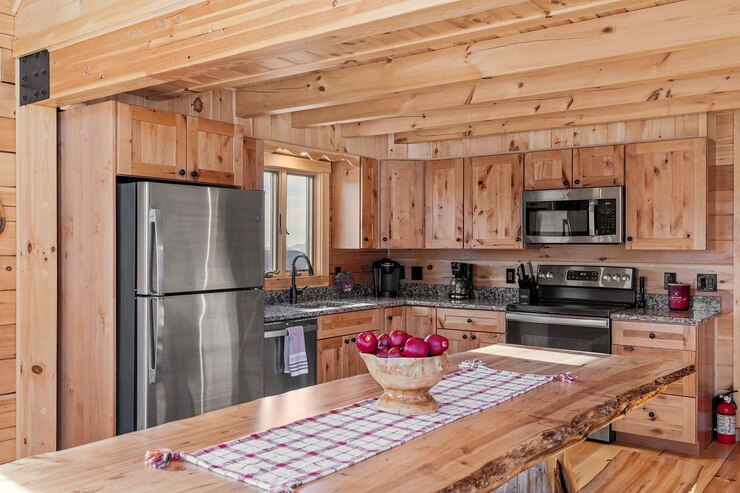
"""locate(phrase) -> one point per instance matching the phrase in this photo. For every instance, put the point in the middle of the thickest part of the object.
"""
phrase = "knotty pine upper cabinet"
(215, 152)
(354, 204)
(666, 195)
(545, 170)
(443, 184)
(601, 166)
(151, 143)
(401, 204)
(493, 194)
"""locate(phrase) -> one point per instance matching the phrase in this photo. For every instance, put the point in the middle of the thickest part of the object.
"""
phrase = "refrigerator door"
(197, 353)
(192, 239)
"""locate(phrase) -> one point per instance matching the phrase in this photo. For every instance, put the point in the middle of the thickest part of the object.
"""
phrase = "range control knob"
(549, 275)
(607, 277)
(625, 277)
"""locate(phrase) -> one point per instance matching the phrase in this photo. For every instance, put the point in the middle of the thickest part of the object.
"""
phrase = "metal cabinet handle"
(474, 337)
(155, 221)
(470, 320)
(465, 336)
(346, 341)
(565, 182)
(577, 182)
(390, 318)
(629, 238)
(458, 240)
(366, 239)
(651, 335)
(385, 238)
(194, 174)
(181, 172)
(354, 340)
(651, 415)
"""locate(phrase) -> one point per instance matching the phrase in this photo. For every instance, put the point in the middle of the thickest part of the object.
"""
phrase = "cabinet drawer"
(686, 386)
(664, 336)
(481, 320)
(349, 323)
(668, 417)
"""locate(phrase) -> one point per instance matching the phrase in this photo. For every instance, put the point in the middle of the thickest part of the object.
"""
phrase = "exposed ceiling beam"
(552, 14)
(612, 38)
(554, 103)
(662, 66)
(636, 111)
(219, 34)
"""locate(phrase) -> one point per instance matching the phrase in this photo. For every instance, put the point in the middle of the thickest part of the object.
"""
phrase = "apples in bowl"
(406, 367)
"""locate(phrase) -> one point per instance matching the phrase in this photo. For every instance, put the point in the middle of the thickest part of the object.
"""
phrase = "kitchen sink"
(323, 305)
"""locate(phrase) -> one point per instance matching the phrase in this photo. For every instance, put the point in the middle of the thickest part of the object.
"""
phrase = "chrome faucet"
(294, 291)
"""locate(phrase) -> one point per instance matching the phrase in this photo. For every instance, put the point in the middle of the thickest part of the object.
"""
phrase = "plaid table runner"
(285, 457)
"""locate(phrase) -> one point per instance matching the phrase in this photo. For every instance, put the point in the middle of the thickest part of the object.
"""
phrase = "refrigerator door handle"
(155, 329)
(155, 221)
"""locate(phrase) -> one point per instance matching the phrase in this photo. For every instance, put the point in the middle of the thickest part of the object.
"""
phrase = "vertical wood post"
(736, 249)
(36, 332)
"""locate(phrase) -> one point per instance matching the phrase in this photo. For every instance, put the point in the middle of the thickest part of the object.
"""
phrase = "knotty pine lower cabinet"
(467, 340)
(420, 320)
(679, 419)
(395, 319)
(470, 329)
(336, 352)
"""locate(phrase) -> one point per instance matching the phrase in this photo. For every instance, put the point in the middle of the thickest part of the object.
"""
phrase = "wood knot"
(8, 268)
(29, 247)
(37, 369)
(608, 29)
(197, 105)
(322, 88)
(53, 249)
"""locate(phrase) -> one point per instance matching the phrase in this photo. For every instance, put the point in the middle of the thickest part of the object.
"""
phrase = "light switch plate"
(510, 276)
(706, 282)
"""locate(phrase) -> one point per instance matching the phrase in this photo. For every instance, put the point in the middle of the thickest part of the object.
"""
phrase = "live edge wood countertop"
(480, 451)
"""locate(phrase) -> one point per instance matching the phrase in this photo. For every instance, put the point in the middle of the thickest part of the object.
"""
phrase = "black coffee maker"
(461, 285)
(386, 277)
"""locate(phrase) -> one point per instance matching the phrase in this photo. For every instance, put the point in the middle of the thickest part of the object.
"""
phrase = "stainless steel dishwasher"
(275, 379)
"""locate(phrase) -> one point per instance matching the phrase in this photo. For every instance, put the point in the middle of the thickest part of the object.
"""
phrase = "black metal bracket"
(34, 77)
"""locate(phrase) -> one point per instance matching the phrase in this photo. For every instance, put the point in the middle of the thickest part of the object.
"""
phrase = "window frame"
(320, 171)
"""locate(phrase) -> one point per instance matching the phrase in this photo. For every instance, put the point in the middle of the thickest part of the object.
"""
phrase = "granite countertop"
(666, 316)
(286, 311)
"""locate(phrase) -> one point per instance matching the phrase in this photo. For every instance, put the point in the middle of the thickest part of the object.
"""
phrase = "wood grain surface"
(481, 451)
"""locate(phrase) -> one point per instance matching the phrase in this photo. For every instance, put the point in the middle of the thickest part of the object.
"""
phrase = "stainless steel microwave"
(573, 215)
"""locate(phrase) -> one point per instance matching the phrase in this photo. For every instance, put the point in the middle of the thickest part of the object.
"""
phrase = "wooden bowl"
(406, 382)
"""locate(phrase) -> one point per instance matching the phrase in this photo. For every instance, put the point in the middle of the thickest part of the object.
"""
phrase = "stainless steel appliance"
(576, 215)
(190, 301)
(276, 381)
(573, 311)
(461, 284)
(387, 277)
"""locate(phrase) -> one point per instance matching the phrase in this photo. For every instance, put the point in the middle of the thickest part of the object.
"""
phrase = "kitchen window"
(296, 218)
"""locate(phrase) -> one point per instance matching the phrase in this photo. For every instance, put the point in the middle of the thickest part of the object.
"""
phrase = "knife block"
(527, 292)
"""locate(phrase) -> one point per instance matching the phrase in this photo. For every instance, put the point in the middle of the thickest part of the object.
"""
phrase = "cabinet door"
(420, 320)
(493, 195)
(370, 202)
(353, 364)
(346, 205)
(330, 359)
(401, 204)
(666, 195)
(151, 143)
(460, 340)
(601, 166)
(686, 386)
(548, 169)
(483, 339)
(215, 152)
(394, 319)
(443, 181)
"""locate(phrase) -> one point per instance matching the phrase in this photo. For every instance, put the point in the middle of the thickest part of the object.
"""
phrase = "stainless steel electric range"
(573, 312)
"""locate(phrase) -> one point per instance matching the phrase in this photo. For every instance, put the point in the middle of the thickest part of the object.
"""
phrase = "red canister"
(678, 296)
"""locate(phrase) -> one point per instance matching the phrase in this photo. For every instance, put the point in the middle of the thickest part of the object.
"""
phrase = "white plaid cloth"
(285, 457)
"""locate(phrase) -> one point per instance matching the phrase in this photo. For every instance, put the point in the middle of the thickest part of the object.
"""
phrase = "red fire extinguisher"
(724, 410)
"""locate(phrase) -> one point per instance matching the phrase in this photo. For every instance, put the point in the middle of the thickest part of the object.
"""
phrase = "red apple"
(382, 352)
(415, 348)
(437, 344)
(398, 338)
(367, 342)
(394, 352)
(384, 340)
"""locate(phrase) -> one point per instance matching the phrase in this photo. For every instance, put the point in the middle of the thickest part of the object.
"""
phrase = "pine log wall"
(7, 237)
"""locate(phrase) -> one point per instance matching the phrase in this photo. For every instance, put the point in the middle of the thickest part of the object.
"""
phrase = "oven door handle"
(601, 323)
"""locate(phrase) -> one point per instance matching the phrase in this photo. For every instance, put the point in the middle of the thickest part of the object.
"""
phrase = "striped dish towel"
(294, 354)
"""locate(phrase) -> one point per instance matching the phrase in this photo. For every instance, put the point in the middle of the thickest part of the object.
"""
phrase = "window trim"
(320, 172)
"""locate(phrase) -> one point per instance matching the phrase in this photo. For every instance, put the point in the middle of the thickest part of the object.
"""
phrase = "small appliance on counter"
(641, 294)
(678, 296)
(461, 285)
(386, 278)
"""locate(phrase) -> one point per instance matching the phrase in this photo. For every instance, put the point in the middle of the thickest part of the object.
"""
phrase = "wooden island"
(480, 452)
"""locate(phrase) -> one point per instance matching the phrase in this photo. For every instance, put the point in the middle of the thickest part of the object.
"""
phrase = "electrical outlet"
(510, 276)
(706, 282)
(417, 273)
(668, 278)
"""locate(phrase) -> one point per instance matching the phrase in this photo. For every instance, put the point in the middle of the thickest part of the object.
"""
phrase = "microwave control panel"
(607, 217)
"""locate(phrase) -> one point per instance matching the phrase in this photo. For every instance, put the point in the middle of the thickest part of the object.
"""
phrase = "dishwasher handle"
(282, 333)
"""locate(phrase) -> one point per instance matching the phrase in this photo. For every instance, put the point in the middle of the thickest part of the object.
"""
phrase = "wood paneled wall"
(7, 238)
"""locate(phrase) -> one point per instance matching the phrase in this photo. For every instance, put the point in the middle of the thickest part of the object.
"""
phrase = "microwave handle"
(593, 211)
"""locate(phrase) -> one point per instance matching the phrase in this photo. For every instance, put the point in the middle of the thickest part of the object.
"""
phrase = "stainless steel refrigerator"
(190, 301)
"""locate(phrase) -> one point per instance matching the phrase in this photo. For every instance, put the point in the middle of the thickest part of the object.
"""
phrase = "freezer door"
(197, 353)
(196, 238)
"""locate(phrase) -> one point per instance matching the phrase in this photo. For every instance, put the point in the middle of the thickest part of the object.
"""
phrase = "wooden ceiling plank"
(440, 40)
(554, 103)
(636, 111)
(613, 38)
(221, 33)
(661, 66)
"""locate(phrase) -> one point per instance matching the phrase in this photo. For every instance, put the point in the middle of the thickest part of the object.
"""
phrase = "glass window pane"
(299, 221)
(271, 212)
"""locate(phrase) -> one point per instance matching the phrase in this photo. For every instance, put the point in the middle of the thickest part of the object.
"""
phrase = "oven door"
(559, 331)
